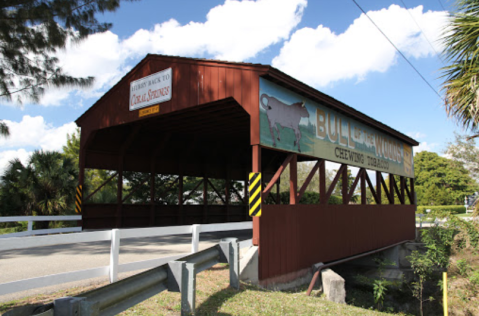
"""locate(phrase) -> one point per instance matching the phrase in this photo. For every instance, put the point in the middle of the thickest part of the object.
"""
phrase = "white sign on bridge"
(154, 89)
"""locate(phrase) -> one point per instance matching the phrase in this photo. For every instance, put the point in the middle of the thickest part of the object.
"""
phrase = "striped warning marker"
(255, 194)
(78, 199)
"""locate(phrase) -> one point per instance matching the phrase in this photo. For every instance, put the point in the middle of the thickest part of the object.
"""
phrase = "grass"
(463, 295)
(214, 297)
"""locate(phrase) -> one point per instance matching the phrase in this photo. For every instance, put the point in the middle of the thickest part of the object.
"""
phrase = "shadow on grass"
(214, 302)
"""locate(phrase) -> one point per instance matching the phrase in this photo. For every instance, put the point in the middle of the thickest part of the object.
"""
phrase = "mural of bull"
(284, 115)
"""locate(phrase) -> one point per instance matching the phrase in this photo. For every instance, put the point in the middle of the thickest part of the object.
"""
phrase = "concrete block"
(333, 286)
(249, 266)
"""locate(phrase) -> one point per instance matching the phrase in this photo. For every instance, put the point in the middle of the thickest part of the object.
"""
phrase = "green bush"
(307, 198)
(454, 209)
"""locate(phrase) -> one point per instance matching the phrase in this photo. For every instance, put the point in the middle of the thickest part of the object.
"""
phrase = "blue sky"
(329, 45)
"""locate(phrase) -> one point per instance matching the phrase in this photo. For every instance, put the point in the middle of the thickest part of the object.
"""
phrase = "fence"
(31, 219)
(114, 236)
(175, 276)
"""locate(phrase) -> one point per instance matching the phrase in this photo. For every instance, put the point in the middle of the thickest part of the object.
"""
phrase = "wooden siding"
(294, 237)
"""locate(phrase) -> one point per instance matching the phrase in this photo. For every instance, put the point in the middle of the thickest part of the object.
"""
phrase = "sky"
(329, 45)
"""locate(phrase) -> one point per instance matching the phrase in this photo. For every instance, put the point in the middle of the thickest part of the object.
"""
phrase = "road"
(29, 263)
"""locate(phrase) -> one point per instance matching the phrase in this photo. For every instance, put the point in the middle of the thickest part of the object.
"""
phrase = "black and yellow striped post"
(255, 194)
(78, 199)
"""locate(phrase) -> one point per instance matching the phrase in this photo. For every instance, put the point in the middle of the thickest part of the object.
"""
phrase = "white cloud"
(9, 155)
(36, 133)
(320, 57)
(416, 135)
(424, 146)
(234, 31)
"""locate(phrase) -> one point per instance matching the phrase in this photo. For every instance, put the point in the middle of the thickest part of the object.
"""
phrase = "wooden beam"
(216, 191)
(400, 194)
(379, 178)
(344, 185)
(388, 194)
(256, 167)
(205, 200)
(364, 200)
(278, 196)
(180, 196)
(392, 182)
(136, 188)
(402, 183)
(335, 181)
(413, 195)
(354, 185)
(277, 175)
(293, 180)
(371, 188)
(193, 191)
(409, 195)
(322, 183)
(101, 186)
(308, 180)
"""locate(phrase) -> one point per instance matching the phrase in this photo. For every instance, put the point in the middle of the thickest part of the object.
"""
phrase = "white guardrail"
(114, 236)
(31, 219)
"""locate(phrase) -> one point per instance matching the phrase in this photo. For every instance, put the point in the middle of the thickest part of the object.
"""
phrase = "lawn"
(214, 297)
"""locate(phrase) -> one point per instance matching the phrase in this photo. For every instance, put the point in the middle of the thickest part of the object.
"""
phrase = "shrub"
(453, 209)
(307, 198)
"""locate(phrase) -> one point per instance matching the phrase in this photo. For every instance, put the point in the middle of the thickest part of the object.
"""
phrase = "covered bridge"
(223, 120)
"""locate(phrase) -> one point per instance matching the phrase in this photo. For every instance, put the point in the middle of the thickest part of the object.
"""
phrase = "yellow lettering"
(320, 124)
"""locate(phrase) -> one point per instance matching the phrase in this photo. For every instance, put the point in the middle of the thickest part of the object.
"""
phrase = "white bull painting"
(284, 115)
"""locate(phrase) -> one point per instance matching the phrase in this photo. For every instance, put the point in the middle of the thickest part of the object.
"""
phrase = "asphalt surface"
(35, 262)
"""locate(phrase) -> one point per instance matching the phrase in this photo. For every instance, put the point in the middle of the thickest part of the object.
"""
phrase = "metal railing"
(175, 276)
(114, 236)
(30, 219)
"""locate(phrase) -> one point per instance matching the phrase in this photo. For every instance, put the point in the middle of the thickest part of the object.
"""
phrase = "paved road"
(30, 263)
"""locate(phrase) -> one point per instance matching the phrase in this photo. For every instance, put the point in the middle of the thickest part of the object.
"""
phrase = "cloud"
(424, 146)
(233, 31)
(34, 132)
(9, 155)
(416, 135)
(320, 57)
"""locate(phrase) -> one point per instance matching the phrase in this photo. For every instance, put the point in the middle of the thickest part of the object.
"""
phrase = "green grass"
(215, 297)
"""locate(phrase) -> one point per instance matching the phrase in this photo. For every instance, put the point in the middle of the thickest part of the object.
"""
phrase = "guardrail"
(175, 276)
(114, 236)
(31, 219)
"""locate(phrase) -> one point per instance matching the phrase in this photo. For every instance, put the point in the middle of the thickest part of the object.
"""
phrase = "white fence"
(114, 236)
(31, 219)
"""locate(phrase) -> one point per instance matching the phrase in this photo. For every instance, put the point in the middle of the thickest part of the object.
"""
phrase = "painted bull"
(283, 115)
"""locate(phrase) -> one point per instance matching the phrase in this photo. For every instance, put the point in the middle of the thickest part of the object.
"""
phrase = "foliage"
(463, 267)
(4, 130)
(441, 181)
(453, 209)
(304, 168)
(464, 152)
(380, 289)
(423, 266)
(93, 178)
(474, 278)
(32, 31)
(461, 82)
(307, 198)
(44, 186)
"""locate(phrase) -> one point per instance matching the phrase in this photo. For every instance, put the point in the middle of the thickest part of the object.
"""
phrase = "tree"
(464, 152)
(4, 131)
(31, 31)
(44, 186)
(461, 82)
(441, 181)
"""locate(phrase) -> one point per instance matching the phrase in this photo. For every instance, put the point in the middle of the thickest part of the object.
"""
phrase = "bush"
(453, 209)
(307, 198)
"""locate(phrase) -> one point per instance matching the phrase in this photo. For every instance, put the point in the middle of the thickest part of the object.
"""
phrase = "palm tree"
(461, 83)
(4, 131)
(44, 186)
